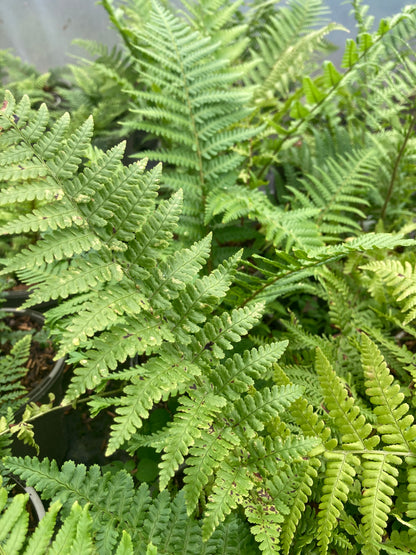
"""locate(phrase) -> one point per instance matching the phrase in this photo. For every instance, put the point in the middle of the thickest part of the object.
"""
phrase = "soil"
(19, 287)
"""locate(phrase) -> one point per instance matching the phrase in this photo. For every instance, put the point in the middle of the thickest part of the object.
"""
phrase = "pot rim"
(34, 497)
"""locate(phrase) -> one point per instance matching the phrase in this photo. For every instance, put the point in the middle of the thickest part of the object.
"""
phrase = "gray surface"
(41, 31)
(340, 13)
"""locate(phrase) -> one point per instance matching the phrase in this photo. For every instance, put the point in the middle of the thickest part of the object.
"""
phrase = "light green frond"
(232, 483)
(100, 312)
(265, 522)
(12, 370)
(123, 204)
(351, 424)
(192, 416)
(380, 474)
(250, 413)
(189, 311)
(339, 189)
(56, 245)
(156, 233)
(220, 332)
(53, 216)
(158, 379)
(208, 453)
(411, 488)
(340, 471)
(303, 413)
(238, 373)
(401, 277)
(192, 109)
(43, 189)
(172, 273)
(394, 422)
(85, 274)
(303, 491)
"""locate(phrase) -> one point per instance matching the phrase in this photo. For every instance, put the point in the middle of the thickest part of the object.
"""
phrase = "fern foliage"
(261, 286)
(106, 514)
(189, 102)
(124, 294)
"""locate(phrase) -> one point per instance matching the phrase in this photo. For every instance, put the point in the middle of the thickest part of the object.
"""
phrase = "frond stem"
(396, 166)
(112, 17)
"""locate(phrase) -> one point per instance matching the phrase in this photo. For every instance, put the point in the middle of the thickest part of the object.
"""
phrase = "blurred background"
(41, 31)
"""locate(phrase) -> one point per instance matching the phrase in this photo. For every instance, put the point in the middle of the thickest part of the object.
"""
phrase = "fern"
(12, 370)
(286, 45)
(188, 102)
(107, 513)
(264, 240)
(73, 535)
(138, 300)
(401, 278)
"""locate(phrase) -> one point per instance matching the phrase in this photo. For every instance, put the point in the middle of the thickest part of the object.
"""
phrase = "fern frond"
(193, 110)
(401, 277)
(73, 535)
(379, 481)
(12, 370)
(352, 425)
(57, 246)
(112, 516)
(297, 507)
(340, 471)
(192, 416)
(56, 216)
(339, 191)
(238, 373)
(394, 423)
(208, 453)
(250, 413)
(231, 479)
(220, 332)
(411, 479)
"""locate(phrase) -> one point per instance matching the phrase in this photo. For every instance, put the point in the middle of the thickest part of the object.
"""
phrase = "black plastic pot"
(50, 434)
(14, 298)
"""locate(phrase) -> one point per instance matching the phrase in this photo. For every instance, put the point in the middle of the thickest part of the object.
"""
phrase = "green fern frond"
(351, 424)
(401, 277)
(394, 423)
(219, 20)
(284, 51)
(12, 370)
(191, 417)
(57, 246)
(231, 479)
(191, 92)
(73, 535)
(282, 228)
(303, 413)
(411, 479)
(297, 507)
(339, 191)
(238, 373)
(380, 474)
(340, 471)
(112, 516)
